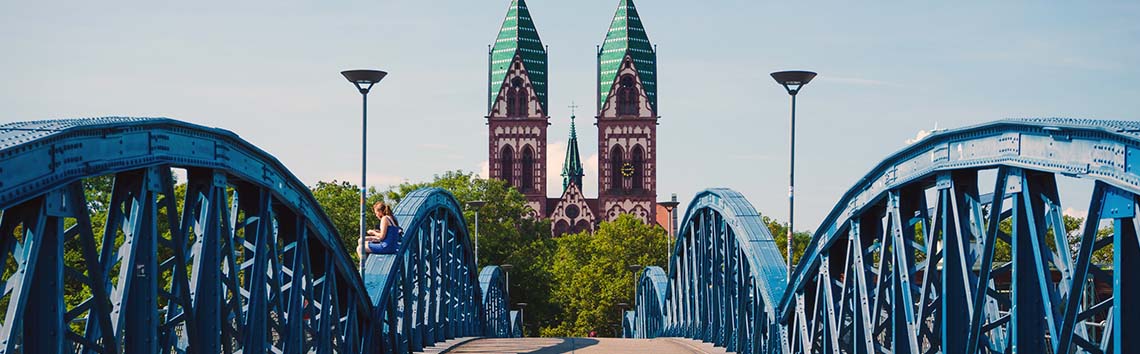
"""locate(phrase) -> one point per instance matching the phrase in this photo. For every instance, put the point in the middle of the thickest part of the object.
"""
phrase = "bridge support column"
(43, 330)
(1125, 286)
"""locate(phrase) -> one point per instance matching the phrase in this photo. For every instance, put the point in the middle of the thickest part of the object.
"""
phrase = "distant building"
(626, 117)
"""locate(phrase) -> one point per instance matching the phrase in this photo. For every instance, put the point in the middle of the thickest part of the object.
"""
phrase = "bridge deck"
(579, 346)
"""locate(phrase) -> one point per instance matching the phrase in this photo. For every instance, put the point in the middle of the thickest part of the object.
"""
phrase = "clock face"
(627, 170)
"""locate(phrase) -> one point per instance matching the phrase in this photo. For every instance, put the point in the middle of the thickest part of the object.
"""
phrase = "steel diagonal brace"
(987, 260)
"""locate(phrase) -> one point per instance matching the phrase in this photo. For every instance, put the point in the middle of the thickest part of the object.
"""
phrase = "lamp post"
(363, 80)
(669, 207)
(476, 204)
(507, 269)
(620, 332)
(634, 268)
(522, 319)
(792, 81)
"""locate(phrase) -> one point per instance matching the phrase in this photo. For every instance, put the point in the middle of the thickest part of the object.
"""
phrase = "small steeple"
(572, 167)
(627, 36)
(518, 36)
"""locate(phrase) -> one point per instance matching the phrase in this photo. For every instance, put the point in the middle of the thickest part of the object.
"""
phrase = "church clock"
(627, 170)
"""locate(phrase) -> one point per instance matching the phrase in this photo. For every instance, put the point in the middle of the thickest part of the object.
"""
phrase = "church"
(625, 114)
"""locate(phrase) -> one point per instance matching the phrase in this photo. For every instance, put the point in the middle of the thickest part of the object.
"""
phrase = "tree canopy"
(591, 275)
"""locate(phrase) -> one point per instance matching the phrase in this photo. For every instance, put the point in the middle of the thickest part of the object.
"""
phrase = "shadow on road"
(568, 345)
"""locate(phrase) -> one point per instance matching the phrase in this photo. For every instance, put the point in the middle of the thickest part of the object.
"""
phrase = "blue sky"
(269, 71)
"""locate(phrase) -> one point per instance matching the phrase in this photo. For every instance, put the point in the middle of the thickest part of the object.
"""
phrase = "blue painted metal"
(429, 291)
(906, 260)
(648, 315)
(241, 260)
(726, 279)
(500, 319)
(245, 262)
(516, 324)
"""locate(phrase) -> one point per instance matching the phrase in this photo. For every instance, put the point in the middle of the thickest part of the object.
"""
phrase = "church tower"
(627, 119)
(517, 115)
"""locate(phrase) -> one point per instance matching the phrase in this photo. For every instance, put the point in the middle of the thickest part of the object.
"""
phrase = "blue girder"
(898, 263)
(249, 263)
(429, 291)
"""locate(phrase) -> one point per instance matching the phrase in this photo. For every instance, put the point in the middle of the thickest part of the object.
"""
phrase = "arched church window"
(507, 164)
(627, 95)
(527, 184)
(517, 98)
(617, 163)
(638, 157)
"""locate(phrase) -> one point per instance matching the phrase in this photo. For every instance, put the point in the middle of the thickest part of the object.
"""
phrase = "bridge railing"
(103, 253)
(429, 291)
(916, 258)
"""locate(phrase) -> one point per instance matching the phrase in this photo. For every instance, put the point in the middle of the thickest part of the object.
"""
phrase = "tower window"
(517, 98)
(507, 165)
(627, 96)
(616, 164)
(638, 168)
(527, 170)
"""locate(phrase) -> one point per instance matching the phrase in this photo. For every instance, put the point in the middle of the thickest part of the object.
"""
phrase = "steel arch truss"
(500, 321)
(649, 313)
(727, 276)
(243, 260)
(907, 261)
(429, 291)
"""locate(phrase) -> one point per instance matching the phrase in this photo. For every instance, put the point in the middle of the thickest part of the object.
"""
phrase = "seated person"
(385, 238)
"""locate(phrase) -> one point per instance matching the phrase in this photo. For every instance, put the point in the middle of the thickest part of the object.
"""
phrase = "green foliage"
(506, 236)
(779, 230)
(341, 202)
(591, 278)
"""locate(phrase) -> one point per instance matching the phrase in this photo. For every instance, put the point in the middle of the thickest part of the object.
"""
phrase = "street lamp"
(620, 332)
(507, 269)
(522, 319)
(792, 81)
(634, 268)
(476, 204)
(669, 207)
(363, 80)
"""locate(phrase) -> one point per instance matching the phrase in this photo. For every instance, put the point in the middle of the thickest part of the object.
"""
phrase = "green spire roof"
(572, 167)
(627, 36)
(518, 36)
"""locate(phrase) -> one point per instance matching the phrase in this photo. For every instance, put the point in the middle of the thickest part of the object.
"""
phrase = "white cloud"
(485, 169)
(555, 155)
(922, 134)
(1075, 213)
(591, 179)
(378, 180)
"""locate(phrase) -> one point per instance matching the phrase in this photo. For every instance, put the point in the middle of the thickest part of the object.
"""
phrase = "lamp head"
(793, 80)
(364, 79)
(476, 204)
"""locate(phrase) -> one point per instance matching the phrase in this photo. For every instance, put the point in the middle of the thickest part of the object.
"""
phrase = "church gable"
(572, 214)
(517, 97)
(627, 96)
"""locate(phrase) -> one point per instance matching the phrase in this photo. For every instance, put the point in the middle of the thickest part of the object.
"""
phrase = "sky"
(269, 71)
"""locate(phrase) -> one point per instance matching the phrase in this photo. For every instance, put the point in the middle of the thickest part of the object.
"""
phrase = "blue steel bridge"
(906, 261)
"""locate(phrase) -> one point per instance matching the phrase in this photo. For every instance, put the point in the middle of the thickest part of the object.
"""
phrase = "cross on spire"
(573, 107)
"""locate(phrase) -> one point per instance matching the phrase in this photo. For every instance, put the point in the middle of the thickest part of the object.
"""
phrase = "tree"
(591, 277)
(341, 202)
(506, 236)
(779, 230)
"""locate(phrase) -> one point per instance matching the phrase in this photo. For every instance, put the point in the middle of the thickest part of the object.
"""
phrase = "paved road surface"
(578, 346)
